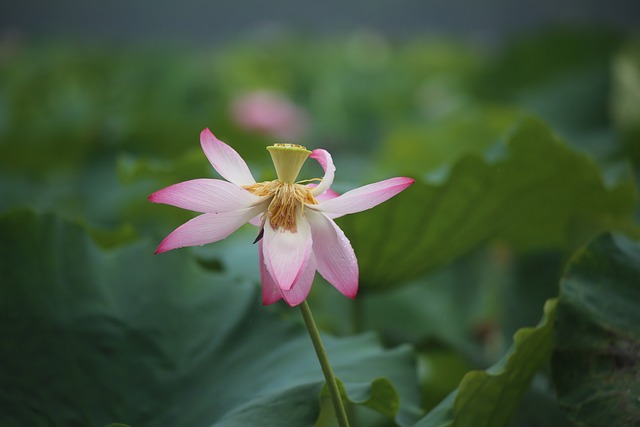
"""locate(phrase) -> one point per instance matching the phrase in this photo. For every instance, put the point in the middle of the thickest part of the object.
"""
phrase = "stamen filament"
(286, 200)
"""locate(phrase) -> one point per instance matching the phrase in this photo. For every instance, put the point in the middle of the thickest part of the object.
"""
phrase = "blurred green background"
(519, 122)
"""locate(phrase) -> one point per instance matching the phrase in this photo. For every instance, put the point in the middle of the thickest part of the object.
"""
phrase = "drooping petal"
(327, 195)
(286, 253)
(225, 160)
(324, 158)
(334, 255)
(207, 228)
(205, 195)
(363, 198)
(300, 289)
(270, 290)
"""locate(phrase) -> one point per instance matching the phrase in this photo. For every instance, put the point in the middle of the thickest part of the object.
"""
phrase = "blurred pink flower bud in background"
(270, 113)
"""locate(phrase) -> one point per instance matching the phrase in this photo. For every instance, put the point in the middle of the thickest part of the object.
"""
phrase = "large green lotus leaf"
(92, 337)
(536, 193)
(596, 364)
(491, 398)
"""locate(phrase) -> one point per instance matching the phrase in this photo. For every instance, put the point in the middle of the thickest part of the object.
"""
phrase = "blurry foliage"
(625, 98)
(521, 155)
(562, 75)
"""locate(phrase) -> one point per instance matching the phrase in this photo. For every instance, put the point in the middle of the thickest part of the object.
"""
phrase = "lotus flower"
(297, 233)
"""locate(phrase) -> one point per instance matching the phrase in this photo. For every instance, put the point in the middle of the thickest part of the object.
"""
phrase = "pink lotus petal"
(325, 160)
(327, 195)
(225, 160)
(285, 253)
(205, 195)
(270, 290)
(207, 228)
(300, 289)
(257, 221)
(335, 258)
(363, 198)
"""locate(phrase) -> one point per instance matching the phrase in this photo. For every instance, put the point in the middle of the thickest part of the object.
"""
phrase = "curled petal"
(225, 160)
(286, 253)
(335, 258)
(205, 195)
(300, 289)
(207, 228)
(363, 198)
(270, 290)
(324, 158)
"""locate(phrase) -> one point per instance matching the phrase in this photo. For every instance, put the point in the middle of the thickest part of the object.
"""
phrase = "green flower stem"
(343, 421)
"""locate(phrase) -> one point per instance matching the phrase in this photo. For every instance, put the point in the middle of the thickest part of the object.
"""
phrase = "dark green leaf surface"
(536, 192)
(491, 398)
(92, 337)
(596, 364)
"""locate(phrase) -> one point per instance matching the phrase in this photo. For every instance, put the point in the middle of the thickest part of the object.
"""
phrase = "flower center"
(287, 200)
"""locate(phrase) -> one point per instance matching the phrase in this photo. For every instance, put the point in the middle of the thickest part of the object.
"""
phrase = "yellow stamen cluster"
(287, 198)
